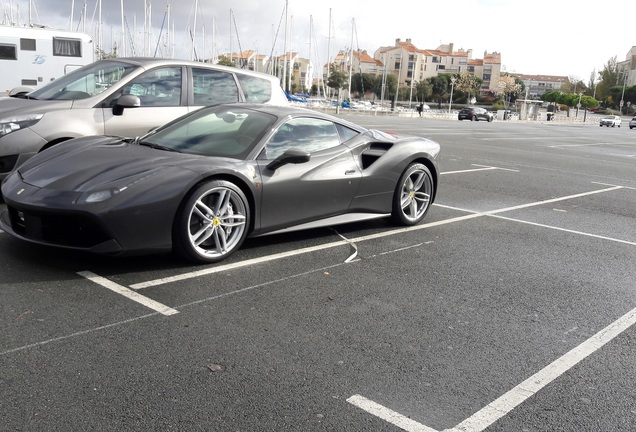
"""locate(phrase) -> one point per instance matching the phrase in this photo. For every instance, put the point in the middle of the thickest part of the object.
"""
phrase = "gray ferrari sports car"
(204, 182)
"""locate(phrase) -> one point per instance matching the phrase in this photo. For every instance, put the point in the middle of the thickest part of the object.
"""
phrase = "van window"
(213, 87)
(27, 44)
(67, 47)
(8, 52)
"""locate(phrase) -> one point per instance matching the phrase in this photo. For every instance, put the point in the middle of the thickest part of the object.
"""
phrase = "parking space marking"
(296, 252)
(481, 168)
(519, 394)
(132, 295)
(566, 230)
(473, 214)
(388, 415)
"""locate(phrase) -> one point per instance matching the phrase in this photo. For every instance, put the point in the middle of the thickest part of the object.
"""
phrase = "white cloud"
(538, 37)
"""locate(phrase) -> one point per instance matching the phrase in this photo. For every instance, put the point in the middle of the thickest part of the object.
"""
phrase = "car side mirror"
(126, 101)
(291, 156)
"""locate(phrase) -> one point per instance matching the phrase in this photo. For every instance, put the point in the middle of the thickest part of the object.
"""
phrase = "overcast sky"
(549, 37)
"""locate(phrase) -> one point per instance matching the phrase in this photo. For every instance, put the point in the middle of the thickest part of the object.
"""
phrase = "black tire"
(474, 118)
(212, 222)
(413, 195)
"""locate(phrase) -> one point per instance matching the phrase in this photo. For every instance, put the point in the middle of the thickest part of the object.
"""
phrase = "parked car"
(126, 96)
(632, 123)
(202, 183)
(610, 120)
(475, 114)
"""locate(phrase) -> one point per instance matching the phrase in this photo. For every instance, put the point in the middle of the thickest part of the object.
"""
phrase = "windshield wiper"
(156, 146)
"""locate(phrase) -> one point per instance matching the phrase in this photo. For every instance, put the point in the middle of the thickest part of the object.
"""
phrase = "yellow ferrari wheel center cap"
(411, 194)
(216, 222)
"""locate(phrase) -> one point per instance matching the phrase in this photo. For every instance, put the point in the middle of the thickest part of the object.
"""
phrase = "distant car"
(632, 123)
(124, 97)
(611, 120)
(204, 182)
(475, 114)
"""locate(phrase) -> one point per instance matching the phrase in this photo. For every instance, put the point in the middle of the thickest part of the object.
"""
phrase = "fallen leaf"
(215, 368)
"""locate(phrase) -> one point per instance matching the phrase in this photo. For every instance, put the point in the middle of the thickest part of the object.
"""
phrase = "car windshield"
(85, 82)
(215, 131)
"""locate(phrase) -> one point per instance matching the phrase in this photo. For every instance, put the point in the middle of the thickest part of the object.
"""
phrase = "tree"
(440, 85)
(469, 84)
(508, 88)
(225, 61)
(390, 86)
(609, 78)
(337, 78)
(423, 90)
(362, 83)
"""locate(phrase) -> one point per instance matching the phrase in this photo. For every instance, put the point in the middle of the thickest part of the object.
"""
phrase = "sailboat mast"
(285, 47)
(123, 31)
(194, 30)
(328, 52)
(353, 24)
(310, 74)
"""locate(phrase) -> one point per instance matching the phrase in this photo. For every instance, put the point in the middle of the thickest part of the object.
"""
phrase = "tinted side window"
(213, 87)
(255, 89)
(346, 133)
(307, 134)
(158, 87)
(8, 52)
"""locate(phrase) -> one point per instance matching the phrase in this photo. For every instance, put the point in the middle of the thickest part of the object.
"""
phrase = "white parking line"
(481, 168)
(132, 295)
(516, 396)
(386, 414)
(292, 253)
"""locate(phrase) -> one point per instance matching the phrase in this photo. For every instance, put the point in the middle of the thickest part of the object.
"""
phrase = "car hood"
(84, 164)
(10, 106)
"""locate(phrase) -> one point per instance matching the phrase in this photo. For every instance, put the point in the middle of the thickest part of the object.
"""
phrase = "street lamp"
(578, 105)
(450, 102)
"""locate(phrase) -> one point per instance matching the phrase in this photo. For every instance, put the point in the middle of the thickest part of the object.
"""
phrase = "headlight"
(100, 196)
(11, 124)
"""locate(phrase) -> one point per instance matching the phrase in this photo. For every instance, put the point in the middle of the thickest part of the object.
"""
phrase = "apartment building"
(627, 68)
(537, 85)
(411, 64)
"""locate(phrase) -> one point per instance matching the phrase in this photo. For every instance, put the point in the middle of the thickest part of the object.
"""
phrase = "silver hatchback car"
(125, 97)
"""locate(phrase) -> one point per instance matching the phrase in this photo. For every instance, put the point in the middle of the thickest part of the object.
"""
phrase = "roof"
(543, 78)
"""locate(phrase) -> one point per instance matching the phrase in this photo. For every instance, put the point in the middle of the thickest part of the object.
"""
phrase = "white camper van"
(33, 56)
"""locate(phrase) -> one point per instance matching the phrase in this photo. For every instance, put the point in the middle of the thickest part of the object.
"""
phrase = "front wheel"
(474, 118)
(212, 222)
(413, 194)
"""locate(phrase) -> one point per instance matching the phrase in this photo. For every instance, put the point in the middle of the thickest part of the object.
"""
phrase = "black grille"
(71, 230)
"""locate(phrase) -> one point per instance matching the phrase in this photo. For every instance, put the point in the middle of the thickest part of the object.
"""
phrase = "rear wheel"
(212, 223)
(413, 194)
(474, 118)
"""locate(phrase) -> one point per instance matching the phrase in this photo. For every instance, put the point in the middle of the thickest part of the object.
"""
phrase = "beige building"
(409, 63)
(537, 85)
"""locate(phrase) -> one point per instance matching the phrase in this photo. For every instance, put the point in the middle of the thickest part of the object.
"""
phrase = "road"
(509, 309)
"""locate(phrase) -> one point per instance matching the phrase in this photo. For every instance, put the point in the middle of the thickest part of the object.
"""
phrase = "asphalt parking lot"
(509, 309)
